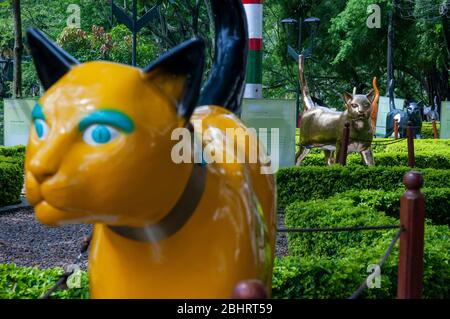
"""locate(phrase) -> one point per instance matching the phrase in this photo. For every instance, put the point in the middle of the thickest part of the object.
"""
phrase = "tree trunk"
(438, 85)
(390, 56)
(18, 50)
(446, 24)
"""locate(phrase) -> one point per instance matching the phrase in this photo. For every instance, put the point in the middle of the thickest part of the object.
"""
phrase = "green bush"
(310, 182)
(12, 151)
(427, 129)
(381, 145)
(329, 214)
(322, 277)
(333, 265)
(437, 160)
(437, 202)
(31, 283)
(10, 159)
(11, 183)
(422, 145)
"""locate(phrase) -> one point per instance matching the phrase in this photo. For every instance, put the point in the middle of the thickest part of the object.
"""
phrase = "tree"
(349, 54)
(18, 49)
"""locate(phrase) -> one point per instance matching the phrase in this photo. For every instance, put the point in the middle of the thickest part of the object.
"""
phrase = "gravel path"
(25, 242)
(282, 241)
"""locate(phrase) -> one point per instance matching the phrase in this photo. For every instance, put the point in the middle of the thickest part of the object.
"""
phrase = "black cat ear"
(51, 62)
(178, 74)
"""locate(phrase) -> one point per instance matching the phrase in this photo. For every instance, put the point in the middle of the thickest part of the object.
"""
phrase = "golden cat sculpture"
(100, 152)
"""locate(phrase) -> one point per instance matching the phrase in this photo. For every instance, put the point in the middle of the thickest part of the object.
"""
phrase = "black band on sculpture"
(177, 217)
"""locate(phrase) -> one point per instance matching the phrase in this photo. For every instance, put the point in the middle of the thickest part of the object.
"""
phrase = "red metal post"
(396, 129)
(344, 144)
(435, 132)
(410, 132)
(412, 219)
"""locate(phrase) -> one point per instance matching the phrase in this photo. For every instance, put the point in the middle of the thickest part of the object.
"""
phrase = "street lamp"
(290, 24)
(312, 24)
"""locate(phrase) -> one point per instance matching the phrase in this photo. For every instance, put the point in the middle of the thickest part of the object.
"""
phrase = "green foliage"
(31, 283)
(103, 38)
(437, 202)
(333, 265)
(11, 174)
(427, 129)
(329, 214)
(347, 53)
(429, 159)
(424, 145)
(310, 182)
(11, 182)
(12, 151)
(389, 145)
(321, 277)
(98, 44)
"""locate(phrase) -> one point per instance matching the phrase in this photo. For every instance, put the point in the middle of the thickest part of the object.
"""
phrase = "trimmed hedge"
(422, 145)
(437, 202)
(438, 160)
(12, 151)
(31, 283)
(319, 277)
(11, 183)
(11, 174)
(329, 214)
(381, 145)
(427, 129)
(333, 265)
(310, 182)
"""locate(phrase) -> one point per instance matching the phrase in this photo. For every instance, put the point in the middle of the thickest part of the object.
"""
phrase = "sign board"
(17, 121)
(273, 114)
(383, 110)
(445, 120)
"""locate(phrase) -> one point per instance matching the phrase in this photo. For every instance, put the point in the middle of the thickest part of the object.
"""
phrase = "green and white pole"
(254, 12)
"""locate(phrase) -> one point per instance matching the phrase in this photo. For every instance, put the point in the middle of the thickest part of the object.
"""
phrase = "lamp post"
(133, 23)
(312, 23)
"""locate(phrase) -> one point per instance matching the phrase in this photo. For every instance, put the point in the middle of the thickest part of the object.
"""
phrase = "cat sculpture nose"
(40, 171)
(44, 164)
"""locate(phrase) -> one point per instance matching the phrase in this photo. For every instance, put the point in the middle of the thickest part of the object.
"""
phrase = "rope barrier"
(373, 142)
(389, 142)
(364, 286)
(335, 230)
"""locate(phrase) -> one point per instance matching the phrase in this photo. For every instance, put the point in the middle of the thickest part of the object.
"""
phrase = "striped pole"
(254, 12)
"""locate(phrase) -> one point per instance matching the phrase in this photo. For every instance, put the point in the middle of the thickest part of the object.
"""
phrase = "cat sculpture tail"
(226, 83)
(375, 104)
(308, 103)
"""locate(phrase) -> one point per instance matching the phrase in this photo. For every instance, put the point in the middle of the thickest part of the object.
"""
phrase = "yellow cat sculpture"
(101, 151)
